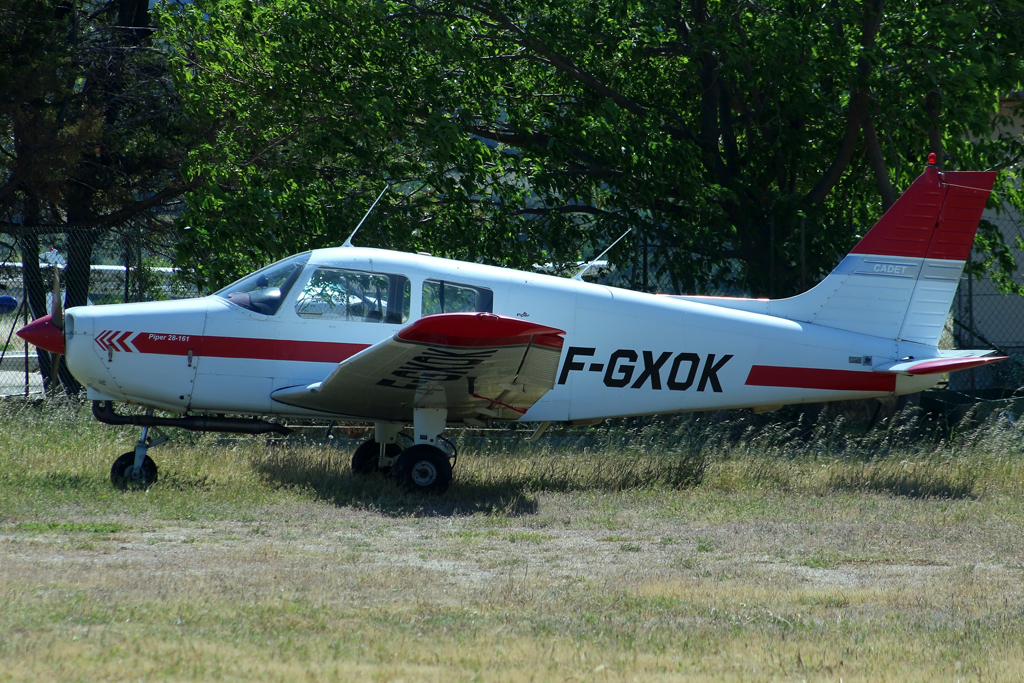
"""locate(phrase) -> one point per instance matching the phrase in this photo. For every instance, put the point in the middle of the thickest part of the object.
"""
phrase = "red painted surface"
(43, 333)
(934, 367)
(242, 347)
(820, 378)
(115, 339)
(447, 329)
(480, 329)
(935, 218)
(279, 349)
(958, 220)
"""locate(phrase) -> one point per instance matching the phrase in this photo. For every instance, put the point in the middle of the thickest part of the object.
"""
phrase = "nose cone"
(44, 334)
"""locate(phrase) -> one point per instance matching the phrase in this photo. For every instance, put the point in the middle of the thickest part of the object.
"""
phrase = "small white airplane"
(397, 339)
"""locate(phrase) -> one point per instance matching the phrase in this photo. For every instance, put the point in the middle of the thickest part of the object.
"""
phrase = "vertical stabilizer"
(900, 279)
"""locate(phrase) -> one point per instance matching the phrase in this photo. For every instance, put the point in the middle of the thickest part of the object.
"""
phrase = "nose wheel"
(136, 469)
(123, 473)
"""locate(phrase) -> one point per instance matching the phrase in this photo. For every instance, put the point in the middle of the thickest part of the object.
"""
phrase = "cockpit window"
(450, 297)
(264, 291)
(339, 294)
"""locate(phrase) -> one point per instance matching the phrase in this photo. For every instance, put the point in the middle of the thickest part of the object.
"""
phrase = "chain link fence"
(134, 266)
(982, 317)
(125, 266)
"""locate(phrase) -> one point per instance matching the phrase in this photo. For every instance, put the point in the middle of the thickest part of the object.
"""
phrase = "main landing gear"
(424, 466)
(136, 468)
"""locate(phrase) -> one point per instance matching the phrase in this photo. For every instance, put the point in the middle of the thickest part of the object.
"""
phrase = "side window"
(448, 297)
(338, 294)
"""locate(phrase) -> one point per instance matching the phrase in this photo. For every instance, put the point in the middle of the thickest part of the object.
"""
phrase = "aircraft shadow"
(340, 487)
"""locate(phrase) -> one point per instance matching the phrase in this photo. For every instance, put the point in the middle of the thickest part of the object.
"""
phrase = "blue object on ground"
(8, 304)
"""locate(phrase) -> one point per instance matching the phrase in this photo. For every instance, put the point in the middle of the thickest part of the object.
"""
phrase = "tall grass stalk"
(58, 444)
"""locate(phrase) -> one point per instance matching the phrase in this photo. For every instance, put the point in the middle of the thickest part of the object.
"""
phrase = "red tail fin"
(935, 218)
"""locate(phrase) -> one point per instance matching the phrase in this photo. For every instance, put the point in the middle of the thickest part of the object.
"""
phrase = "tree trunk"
(32, 277)
(878, 164)
(76, 275)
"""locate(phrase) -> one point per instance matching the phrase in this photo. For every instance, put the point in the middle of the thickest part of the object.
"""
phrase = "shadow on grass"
(910, 481)
(340, 487)
(181, 482)
(925, 478)
(486, 483)
(59, 481)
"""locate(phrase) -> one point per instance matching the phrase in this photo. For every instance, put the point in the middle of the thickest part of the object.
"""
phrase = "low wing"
(478, 366)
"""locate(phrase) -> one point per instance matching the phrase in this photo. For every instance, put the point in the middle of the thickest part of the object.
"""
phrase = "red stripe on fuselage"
(243, 347)
(279, 349)
(819, 378)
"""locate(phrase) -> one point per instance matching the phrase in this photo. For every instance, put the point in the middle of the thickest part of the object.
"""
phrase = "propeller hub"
(44, 334)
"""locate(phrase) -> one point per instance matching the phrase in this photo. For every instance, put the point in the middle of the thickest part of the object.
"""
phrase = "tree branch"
(561, 62)
(856, 110)
(878, 164)
(568, 208)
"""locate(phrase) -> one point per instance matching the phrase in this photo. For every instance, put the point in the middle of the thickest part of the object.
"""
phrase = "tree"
(751, 143)
(92, 134)
(317, 108)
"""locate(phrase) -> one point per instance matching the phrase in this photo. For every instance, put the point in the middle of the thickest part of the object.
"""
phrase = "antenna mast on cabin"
(592, 262)
(348, 242)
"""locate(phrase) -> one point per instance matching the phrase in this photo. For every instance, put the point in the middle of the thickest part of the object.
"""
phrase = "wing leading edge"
(478, 366)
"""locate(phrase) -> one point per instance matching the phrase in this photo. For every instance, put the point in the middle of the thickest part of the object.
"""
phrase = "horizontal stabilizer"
(935, 366)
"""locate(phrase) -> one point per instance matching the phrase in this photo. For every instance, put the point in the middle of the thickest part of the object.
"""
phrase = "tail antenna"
(593, 262)
(348, 242)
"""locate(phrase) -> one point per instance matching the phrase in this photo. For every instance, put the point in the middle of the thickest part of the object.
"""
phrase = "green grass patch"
(70, 527)
(257, 561)
(821, 560)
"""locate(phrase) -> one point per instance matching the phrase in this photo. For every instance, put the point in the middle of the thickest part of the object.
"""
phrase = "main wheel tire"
(366, 457)
(121, 472)
(423, 468)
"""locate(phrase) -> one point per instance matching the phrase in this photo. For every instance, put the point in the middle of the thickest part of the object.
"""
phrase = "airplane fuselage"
(625, 352)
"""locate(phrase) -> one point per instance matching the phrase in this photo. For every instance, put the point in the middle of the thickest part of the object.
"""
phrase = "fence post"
(24, 305)
(970, 312)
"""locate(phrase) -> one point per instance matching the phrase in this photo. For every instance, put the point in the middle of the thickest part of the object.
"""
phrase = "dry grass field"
(678, 550)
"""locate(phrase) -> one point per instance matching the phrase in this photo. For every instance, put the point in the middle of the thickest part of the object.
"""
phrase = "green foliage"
(317, 107)
(726, 134)
(91, 136)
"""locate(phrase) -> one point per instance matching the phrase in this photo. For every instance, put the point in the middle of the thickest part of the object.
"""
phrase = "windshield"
(265, 290)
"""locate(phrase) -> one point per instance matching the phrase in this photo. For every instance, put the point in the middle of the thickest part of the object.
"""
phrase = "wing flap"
(476, 365)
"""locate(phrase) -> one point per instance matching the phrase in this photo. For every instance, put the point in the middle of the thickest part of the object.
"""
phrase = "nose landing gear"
(135, 468)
